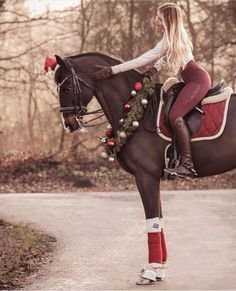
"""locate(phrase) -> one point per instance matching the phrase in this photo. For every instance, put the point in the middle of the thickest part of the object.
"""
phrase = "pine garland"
(128, 124)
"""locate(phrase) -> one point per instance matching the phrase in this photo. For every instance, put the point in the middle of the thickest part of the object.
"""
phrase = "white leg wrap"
(154, 224)
(153, 272)
(149, 274)
(156, 265)
(159, 269)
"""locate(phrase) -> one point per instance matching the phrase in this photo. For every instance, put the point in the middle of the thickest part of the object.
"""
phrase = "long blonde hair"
(176, 36)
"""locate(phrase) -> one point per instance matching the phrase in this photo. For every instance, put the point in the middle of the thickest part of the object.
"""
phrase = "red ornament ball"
(138, 86)
(127, 106)
(109, 133)
(111, 143)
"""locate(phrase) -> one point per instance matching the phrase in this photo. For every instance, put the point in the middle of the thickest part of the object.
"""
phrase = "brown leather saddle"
(192, 119)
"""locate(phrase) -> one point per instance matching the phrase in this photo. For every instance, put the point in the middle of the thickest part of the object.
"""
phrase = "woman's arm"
(142, 60)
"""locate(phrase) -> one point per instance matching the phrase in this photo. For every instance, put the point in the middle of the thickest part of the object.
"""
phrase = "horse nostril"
(70, 128)
(75, 126)
(71, 123)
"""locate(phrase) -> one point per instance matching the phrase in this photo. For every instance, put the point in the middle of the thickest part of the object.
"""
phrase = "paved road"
(102, 240)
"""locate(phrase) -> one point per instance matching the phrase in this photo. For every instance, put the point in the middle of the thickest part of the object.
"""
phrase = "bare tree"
(122, 28)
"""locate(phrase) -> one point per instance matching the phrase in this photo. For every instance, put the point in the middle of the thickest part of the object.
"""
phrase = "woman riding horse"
(174, 52)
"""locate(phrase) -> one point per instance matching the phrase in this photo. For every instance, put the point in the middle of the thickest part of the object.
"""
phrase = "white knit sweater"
(156, 53)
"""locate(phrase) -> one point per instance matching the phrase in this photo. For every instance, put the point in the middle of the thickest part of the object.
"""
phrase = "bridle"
(78, 110)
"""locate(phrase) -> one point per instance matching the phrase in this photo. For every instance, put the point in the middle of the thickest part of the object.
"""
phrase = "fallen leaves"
(22, 252)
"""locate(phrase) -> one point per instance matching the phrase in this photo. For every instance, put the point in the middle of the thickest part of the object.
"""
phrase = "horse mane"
(108, 58)
(99, 54)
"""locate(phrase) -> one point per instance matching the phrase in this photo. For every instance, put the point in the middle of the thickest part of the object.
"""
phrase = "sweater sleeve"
(144, 59)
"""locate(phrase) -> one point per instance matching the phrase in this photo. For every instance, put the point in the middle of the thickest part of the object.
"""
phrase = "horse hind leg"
(149, 188)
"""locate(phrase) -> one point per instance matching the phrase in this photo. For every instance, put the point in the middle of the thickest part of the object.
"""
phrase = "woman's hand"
(103, 73)
(150, 72)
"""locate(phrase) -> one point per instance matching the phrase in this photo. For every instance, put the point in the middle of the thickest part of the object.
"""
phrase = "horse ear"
(60, 62)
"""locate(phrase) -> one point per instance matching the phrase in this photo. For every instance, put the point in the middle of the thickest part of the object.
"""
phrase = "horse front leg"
(149, 189)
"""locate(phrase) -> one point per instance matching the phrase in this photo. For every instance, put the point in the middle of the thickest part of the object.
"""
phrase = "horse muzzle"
(71, 123)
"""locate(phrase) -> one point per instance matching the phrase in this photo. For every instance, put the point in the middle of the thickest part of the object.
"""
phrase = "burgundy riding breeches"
(197, 82)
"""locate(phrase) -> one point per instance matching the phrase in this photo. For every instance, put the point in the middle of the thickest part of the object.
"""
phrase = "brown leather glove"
(150, 71)
(103, 73)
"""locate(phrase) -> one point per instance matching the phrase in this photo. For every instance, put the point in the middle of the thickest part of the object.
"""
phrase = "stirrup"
(188, 176)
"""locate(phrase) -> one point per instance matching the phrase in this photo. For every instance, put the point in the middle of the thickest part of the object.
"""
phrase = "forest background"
(33, 143)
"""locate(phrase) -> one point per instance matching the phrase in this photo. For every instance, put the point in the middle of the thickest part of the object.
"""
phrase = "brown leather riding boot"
(185, 168)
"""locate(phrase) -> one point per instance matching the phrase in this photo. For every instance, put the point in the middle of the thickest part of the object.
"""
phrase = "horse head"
(75, 91)
(76, 88)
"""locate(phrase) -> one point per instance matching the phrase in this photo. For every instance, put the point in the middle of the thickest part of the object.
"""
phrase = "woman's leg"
(189, 97)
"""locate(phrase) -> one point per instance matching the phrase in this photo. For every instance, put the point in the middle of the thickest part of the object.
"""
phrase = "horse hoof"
(143, 281)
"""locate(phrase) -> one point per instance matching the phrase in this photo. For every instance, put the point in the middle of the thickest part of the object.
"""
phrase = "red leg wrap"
(155, 247)
(163, 246)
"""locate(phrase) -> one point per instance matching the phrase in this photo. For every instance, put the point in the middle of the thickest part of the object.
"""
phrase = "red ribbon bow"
(50, 63)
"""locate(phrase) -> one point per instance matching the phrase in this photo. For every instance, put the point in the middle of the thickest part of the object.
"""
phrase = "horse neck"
(113, 93)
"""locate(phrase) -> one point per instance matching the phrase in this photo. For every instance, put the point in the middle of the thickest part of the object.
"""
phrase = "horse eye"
(68, 88)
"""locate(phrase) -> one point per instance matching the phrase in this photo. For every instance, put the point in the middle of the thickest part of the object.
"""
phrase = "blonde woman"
(174, 52)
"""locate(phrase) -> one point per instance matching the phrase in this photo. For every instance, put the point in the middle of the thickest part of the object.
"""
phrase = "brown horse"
(77, 89)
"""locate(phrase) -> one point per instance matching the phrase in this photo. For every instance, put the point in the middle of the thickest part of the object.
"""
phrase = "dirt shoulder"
(22, 252)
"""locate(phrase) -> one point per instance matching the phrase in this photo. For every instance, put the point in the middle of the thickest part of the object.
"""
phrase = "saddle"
(192, 119)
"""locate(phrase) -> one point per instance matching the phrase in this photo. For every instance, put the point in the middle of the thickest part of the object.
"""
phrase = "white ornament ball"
(144, 101)
(133, 93)
(122, 134)
(111, 159)
(104, 155)
(121, 121)
(104, 139)
(109, 126)
(135, 123)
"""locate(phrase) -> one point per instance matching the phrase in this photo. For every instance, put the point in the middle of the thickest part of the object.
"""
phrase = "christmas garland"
(133, 112)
